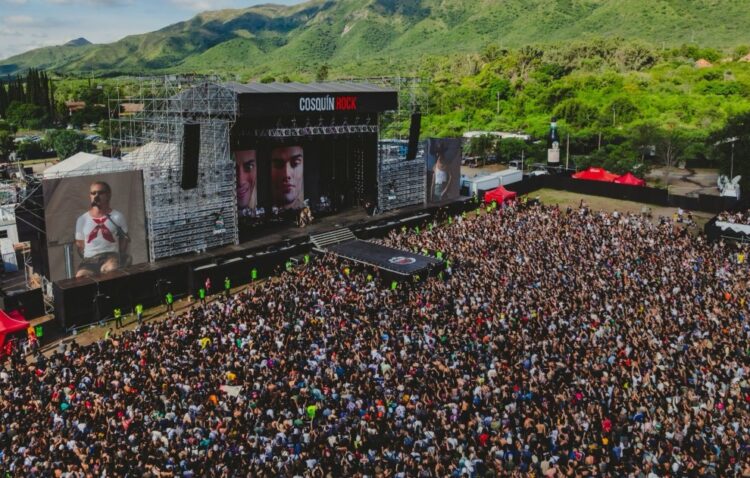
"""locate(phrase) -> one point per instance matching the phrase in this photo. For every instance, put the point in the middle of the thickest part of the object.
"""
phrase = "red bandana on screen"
(101, 226)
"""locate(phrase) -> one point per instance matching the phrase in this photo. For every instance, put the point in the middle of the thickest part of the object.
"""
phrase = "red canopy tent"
(631, 180)
(500, 195)
(596, 174)
(8, 325)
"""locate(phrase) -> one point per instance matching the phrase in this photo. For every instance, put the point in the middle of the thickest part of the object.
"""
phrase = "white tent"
(85, 164)
(156, 153)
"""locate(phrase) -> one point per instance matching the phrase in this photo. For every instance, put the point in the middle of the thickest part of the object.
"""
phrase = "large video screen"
(443, 169)
(286, 175)
(95, 224)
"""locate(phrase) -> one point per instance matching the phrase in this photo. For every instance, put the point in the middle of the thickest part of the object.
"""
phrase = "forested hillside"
(385, 37)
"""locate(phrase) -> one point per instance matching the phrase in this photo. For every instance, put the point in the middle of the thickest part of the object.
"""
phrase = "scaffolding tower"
(401, 182)
(147, 127)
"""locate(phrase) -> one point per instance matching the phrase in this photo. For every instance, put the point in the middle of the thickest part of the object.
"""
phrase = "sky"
(29, 24)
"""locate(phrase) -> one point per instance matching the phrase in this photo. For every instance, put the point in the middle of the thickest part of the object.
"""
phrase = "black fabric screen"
(191, 145)
(416, 124)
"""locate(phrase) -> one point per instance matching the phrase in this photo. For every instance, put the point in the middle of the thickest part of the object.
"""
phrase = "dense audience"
(556, 343)
(741, 217)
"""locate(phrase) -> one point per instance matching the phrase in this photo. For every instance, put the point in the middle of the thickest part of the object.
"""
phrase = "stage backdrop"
(66, 205)
(443, 169)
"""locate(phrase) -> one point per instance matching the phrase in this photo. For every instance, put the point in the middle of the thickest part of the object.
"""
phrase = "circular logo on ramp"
(402, 261)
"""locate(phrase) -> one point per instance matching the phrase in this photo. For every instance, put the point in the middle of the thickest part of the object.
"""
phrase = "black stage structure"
(395, 261)
(77, 300)
(336, 125)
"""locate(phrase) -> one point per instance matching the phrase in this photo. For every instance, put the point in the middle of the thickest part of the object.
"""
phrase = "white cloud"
(196, 5)
(15, 2)
(106, 3)
(18, 20)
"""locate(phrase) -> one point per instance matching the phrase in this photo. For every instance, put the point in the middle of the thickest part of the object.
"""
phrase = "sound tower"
(416, 123)
(191, 146)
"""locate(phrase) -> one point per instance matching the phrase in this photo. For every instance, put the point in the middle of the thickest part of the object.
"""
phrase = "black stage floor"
(387, 258)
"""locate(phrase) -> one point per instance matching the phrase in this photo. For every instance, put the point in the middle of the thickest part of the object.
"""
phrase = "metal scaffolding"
(147, 129)
(401, 182)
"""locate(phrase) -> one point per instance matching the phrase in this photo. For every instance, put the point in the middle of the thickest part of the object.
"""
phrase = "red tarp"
(631, 180)
(596, 174)
(9, 325)
(499, 194)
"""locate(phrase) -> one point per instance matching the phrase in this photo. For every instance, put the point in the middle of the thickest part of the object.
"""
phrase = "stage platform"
(77, 300)
(396, 261)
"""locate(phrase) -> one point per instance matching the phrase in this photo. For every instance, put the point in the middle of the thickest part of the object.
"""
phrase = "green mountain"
(361, 37)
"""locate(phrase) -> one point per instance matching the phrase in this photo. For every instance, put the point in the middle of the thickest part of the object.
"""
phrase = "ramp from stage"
(392, 260)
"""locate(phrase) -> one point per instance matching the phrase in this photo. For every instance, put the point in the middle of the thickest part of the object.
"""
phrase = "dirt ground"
(490, 168)
(565, 199)
(686, 182)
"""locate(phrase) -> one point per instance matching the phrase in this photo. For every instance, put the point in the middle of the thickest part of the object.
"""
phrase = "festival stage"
(88, 300)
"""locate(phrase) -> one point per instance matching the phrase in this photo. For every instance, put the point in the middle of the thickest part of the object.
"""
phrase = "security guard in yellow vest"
(118, 317)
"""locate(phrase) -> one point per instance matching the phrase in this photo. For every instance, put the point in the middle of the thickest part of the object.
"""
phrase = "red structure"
(630, 180)
(596, 174)
(499, 194)
(9, 325)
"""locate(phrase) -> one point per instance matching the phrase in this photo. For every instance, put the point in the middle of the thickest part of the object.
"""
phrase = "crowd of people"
(740, 217)
(555, 343)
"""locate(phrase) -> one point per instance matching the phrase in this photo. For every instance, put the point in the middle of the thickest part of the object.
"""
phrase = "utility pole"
(731, 163)
(600, 141)
(567, 150)
(498, 102)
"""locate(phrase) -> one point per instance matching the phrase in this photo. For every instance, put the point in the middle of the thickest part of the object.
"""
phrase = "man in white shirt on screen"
(101, 234)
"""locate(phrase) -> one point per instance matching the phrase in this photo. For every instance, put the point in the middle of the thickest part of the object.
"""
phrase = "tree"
(322, 73)
(734, 140)
(509, 149)
(87, 115)
(480, 145)
(27, 115)
(66, 143)
(671, 141)
(7, 145)
(28, 150)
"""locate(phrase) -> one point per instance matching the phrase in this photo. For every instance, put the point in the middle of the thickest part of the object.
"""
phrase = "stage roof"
(285, 99)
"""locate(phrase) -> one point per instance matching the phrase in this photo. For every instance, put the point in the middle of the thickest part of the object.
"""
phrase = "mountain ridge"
(383, 36)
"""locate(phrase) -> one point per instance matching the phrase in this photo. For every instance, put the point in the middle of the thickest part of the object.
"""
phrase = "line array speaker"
(191, 146)
(416, 124)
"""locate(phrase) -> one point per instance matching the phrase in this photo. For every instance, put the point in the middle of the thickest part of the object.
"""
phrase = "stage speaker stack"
(191, 146)
(416, 125)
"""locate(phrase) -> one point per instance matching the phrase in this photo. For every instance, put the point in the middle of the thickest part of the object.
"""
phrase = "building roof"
(309, 88)
(703, 63)
(130, 108)
(84, 164)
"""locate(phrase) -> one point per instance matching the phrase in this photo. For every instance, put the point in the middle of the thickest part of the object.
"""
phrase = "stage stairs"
(323, 240)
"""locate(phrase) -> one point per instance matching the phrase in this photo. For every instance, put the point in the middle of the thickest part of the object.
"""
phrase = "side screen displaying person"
(247, 173)
(101, 234)
(287, 177)
(441, 174)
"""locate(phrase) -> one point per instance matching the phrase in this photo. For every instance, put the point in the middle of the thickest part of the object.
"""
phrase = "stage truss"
(401, 182)
(147, 128)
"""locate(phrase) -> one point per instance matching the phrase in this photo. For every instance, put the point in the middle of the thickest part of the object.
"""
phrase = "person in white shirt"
(101, 234)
